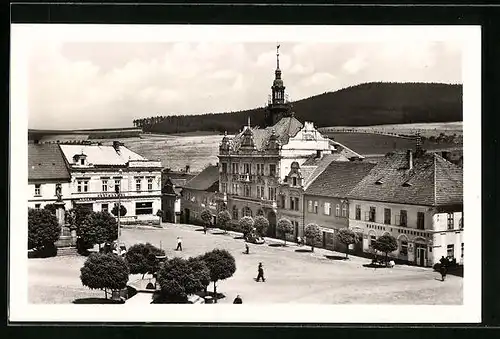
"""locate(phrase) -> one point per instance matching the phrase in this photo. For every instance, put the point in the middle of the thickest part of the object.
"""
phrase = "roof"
(339, 178)
(100, 155)
(206, 179)
(433, 181)
(46, 162)
(345, 151)
(285, 128)
(319, 165)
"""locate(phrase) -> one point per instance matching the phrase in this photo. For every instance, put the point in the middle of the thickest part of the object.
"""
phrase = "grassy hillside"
(360, 105)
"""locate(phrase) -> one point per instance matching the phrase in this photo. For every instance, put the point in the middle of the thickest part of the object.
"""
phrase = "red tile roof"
(46, 162)
(433, 181)
(206, 179)
(338, 178)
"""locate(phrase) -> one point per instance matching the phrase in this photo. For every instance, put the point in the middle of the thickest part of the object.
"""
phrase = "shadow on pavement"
(336, 257)
(375, 266)
(304, 250)
(277, 245)
(239, 237)
(97, 301)
(218, 233)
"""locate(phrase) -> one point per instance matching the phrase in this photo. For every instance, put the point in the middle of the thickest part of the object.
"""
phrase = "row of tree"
(177, 278)
(361, 105)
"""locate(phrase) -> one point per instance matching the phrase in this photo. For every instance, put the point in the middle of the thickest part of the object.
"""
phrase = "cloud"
(91, 85)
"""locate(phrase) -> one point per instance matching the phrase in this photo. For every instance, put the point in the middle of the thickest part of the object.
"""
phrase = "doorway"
(421, 254)
(186, 215)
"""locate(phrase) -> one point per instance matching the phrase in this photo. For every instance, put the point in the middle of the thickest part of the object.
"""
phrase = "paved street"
(291, 277)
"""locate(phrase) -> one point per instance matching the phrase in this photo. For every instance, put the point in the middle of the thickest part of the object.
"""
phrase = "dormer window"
(379, 182)
(82, 161)
(407, 184)
(294, 181)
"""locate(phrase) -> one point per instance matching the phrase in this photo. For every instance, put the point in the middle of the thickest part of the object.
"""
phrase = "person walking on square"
(260, 273)
(179, 244)
(444, 267)
(247, 249)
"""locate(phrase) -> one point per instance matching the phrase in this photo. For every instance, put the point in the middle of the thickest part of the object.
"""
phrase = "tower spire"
(278, 56)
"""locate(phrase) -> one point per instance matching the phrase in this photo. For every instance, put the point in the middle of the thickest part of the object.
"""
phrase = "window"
(404, 248)
(327, 208)
(296, 204)
(309, 206)
(337, 210)
(85, 185)
(117, 185)
(450, 221)
(403, 218)
(373, 238)
(344, 210)
(272, 170)
(260, 191)
(462, 251)
(104, 185)
(142, 208)
(272, 193)
(294, 181)
(38, 190)
(358, 212)
(104, 207)
(420, 220)
(316, 207)
(450, 251)
(372, 215)
(37, 206)
(387, 216)
(246, 190)
(138, 184)
(82, 161)
(235, 213)
(150, 184)
(260, 169)
(291, 203)
(235, 168)
(224, 167)
(223, 187)
(246, 168)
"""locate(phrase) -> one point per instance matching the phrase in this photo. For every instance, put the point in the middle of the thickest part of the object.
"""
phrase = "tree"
(223, 217)
(179, 278)
(386, 243)
(51, 208)
(123, 210)
(347, 237)
(245, 225)
(104, 271)
(160, 214)
(312, 234)
(141, 258)
(221, 265)
(43, 229)
(97, 228)
(206, 218)
(284, 227)
(201, 270)
(261, 225)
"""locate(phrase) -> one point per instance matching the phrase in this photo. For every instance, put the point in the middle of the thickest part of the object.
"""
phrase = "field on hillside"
(177, 151)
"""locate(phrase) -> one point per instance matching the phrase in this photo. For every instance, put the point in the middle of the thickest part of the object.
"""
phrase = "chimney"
(409, 157)
(187, 169)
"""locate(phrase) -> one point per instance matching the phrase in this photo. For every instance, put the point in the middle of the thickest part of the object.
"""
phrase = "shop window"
(450, 251)
(142, 208)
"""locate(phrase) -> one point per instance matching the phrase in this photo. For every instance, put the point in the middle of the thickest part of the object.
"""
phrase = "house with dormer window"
(417, 197)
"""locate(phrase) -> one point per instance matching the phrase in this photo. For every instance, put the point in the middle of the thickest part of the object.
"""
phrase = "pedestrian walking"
(179, 244)
(247, 249)
(238, 300)
(299, 241)
(444, 267)
(205, 229)
(260, 274)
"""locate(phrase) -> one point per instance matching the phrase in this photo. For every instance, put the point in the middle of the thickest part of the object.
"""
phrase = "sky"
(104, 84)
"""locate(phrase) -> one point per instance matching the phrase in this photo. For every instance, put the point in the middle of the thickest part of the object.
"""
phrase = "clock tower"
(278, 105)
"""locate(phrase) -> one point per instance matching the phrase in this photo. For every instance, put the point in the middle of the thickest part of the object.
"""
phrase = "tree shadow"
(375, 266)
(219, 233)
(277, 245)
(303, 250)
(239, 237)
(202, 294)
(97, 301)
(336, 257)
(199, 230)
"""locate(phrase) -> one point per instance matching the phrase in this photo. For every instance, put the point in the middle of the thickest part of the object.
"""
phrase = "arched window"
(235, 213)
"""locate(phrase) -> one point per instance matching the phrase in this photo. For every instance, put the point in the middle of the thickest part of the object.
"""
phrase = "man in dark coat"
(238, 300)
(444, 267)
(261, 273)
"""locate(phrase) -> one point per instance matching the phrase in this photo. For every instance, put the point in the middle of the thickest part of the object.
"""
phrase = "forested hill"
(360, 105)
